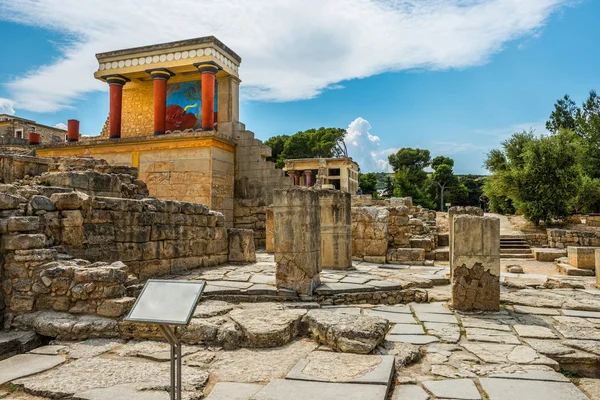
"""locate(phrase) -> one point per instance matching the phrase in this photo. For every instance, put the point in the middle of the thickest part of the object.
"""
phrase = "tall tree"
(443, 175)
(563, 116)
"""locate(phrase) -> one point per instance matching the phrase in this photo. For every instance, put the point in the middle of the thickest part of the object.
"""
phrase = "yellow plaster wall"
(200, 170)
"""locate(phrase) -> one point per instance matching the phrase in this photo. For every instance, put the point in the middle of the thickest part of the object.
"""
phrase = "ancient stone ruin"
(354, 298)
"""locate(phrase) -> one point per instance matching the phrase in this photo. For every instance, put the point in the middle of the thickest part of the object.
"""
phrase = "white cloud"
(365, 148)
(291, 49)
(60, 125)
(6, 106)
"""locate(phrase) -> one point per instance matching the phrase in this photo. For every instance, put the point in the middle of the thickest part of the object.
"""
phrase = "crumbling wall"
(370, 234)
(562, 238)
(251, 214)
(153, 237)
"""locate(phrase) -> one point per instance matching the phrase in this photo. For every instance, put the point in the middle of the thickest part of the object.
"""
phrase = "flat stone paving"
(429, 351)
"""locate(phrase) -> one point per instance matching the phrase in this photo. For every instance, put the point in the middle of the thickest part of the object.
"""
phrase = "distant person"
(359, 191)
(482, 202)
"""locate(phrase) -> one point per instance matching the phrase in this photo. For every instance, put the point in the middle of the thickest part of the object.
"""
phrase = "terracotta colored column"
(208, 71)
(116, 83)
(294, 176)
(34, 138)
(72, 130)
(308, 177)
(160, 76)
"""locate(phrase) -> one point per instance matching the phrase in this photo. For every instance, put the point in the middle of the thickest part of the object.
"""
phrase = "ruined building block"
(454, 211)
(582, 257)
(475, 263)
(370, 234)
(241, 245)
(336, 229)
(269, 226)
(297, 236)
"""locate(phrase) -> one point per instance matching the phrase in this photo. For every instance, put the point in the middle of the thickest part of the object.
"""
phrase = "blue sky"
(405, 74)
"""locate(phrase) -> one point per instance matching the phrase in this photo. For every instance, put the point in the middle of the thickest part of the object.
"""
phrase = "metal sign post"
(168, 304)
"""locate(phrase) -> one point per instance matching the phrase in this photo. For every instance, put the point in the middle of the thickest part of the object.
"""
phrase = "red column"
(294, 176)
(116, 83)
(160, 77)
(72, 130)
(208, 71)
(308, 177)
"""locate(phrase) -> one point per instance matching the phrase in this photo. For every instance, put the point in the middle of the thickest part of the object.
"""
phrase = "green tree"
(312, 143)
(389, 185)
(368, 182)
(276, 143)
(563, 116)
(443, 175)
(540, 176)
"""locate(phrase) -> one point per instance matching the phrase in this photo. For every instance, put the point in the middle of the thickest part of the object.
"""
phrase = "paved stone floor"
(543, 344)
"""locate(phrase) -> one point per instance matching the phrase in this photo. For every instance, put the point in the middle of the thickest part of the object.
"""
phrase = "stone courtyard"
(389, 326)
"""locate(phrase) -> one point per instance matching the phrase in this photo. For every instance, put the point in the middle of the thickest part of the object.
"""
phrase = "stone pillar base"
(297, 237)
(475, 263)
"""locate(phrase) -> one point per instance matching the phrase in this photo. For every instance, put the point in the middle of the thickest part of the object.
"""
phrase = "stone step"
(17, 342)
(513, 251)
(519, 255)
(568, 269)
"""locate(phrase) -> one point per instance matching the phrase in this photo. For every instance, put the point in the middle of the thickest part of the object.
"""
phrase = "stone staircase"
(515, 246)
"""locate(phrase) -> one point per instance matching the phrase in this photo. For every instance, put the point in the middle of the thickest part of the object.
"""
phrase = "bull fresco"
(184, 105)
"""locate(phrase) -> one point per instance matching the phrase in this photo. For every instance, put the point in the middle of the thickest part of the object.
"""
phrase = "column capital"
(291, 173)
(116, 79)
(160, 73)
(209, 67)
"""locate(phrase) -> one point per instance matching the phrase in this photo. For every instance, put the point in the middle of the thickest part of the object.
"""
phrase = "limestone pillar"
(336, 229)
(269, 226)
(208, 71)
(297, 235)
(116, 83)
(160, 76)
(475, 263)
(452, 212)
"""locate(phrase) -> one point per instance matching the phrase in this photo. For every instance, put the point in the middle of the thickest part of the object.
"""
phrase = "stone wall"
(537, 239)
(15, 166)
(255, 177)
(142, 238)
(370, 230)
(195, 167)
(562, 238)
(153, 237)
(251, 214)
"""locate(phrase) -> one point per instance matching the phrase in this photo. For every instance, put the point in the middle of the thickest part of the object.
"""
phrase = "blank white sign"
(166, 302)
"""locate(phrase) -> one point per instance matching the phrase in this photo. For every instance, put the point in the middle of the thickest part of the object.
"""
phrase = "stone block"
(41, 203)
(71, 218)
(115, 307)
(297, 239)
(475, 263)
(241, 245)
(336, 229)
(10, 202)
(454, 211)
(400, 256)
(597, 269)
(69, 201)
(582, 257)
(23, 224)
(23, 242)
